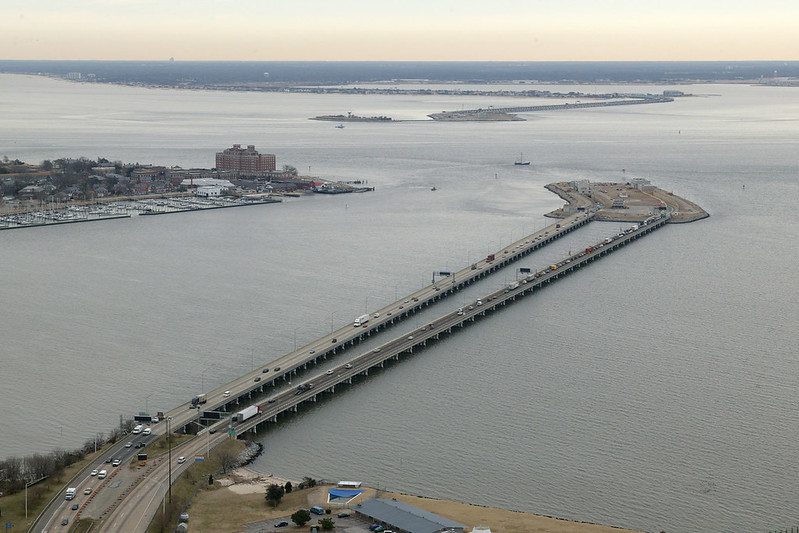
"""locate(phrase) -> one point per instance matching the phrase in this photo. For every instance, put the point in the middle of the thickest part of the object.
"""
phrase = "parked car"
(282, 523)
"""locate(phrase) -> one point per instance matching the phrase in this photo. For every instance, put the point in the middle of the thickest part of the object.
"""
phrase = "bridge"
(359, 366)
(246, 390)
(282, 369)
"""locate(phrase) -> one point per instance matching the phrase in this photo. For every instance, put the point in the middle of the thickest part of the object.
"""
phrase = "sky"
(407, 30)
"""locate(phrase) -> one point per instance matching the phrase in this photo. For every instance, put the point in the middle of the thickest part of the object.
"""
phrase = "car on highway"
(64, 522)
(348, 366)
(329, 372)
(212, 431)
(74, 506)
(376, 350)
(278, 368)
(94, 473)
(406, 301)
(128, 444)
(116, 462)
(312, 352)
(271, 400)
(87, 490)
(109, 459)
(265, 370)
(145, 432)
(181, 460)
(226, 393)
(257, 379)
(410, 337)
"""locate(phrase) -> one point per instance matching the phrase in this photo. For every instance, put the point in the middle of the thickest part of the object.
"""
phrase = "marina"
(123, 209)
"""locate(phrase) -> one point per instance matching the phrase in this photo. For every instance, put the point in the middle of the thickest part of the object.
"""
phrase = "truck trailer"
(197, 400)
(247, 413)
(361, 320)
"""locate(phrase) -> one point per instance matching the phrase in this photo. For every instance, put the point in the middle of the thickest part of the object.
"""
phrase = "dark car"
(343, 515)
(212, 431)
(74, 506)
(282, 523)
(277, 368)
(257, 378)
(265, 370)
(109, 459)
(64, 522)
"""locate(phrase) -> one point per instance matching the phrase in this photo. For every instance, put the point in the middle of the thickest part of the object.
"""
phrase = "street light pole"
(169, 444)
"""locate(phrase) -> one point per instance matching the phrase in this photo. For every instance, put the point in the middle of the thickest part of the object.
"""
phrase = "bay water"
(653, 390)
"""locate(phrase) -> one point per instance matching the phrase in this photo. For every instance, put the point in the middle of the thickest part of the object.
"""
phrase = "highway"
(141, 498)
(283, 368)
(243, 389)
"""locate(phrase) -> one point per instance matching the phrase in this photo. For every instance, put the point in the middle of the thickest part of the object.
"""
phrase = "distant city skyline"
(359, 30)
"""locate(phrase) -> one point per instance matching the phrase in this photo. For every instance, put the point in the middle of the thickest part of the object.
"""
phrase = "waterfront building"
(245, 160)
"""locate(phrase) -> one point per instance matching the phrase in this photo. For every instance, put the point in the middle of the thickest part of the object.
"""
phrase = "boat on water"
(340, 126)
(521, 161)
(433, 188)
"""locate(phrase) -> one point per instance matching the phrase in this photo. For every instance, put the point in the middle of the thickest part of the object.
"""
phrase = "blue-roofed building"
(405, 518)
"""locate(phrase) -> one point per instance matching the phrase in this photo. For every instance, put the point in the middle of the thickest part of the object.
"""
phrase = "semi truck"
(361, 320)
(197, 400)
(247, 413)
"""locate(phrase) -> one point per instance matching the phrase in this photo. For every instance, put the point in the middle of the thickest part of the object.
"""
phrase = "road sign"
(199, 458)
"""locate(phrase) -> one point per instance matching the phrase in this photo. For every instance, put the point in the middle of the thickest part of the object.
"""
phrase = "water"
(653, 390)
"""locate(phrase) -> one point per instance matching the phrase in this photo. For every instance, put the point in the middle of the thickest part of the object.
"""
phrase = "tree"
(301, 517)
(288, 487)
(274, 493)
(309, 482)
(227, 460)
(327, 524)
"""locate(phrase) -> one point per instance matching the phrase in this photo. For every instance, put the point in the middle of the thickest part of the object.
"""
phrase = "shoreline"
(246, 484)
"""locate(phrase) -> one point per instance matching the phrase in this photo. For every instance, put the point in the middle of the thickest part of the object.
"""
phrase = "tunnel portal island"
(631, 201)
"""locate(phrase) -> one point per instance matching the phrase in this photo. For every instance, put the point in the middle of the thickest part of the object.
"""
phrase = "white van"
(146, 431)
(138, 429)
(102, 474)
